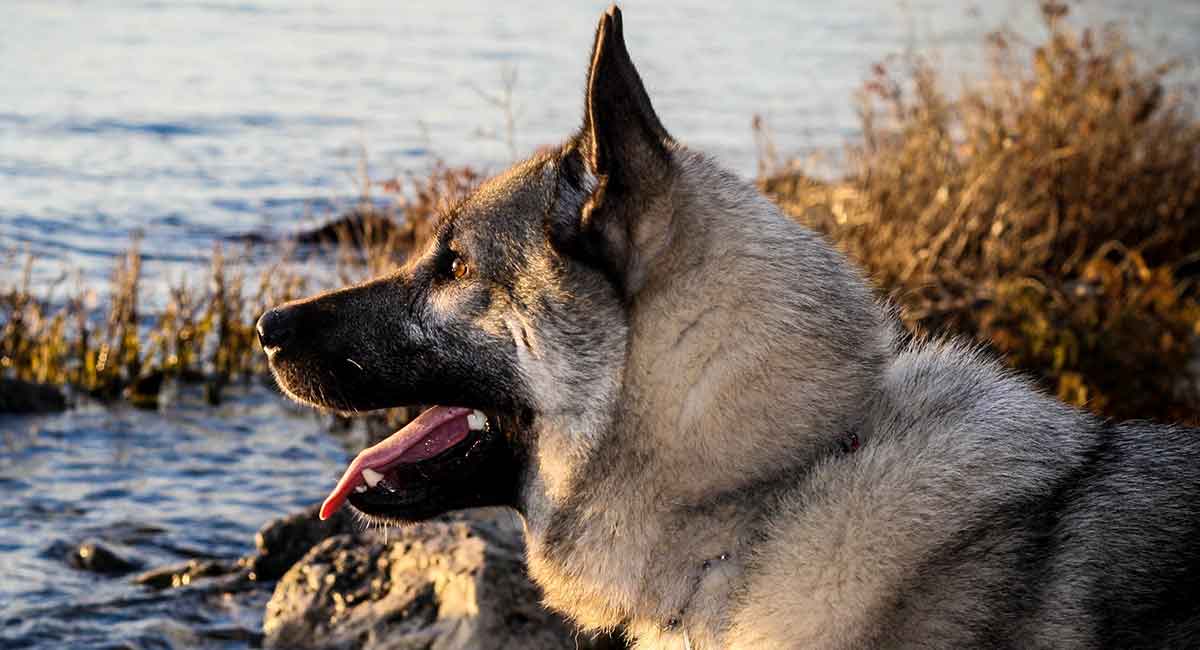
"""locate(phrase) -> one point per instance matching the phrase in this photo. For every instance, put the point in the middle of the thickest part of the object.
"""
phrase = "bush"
(1053, 211)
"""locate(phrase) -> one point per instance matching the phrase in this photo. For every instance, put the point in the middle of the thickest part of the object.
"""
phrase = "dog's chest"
(590, 564)
(664, 581)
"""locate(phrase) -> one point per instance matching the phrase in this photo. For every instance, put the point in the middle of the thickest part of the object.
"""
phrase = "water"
(191, 122)
(190, 481)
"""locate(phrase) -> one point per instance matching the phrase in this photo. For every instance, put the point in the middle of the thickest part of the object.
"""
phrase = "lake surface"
(187, 482)
(190, 122)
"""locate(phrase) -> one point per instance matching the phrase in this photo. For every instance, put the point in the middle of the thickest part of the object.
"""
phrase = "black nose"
(276, 327)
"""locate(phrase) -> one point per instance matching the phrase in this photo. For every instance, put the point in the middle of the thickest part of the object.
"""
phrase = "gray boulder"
(281, 543)
(456, 583)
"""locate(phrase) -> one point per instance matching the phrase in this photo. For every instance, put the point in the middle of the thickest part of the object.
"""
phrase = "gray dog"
(718, 438)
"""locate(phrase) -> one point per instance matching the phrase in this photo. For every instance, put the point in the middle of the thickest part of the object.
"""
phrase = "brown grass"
(1052, 210)
(205, 333)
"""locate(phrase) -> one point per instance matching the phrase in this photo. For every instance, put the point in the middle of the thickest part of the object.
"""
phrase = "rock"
(144, 391)
(95, 556)
(185, 573)
(279, 544)
(25, 397)
(362, 226)
(457, 583)
(282, 542)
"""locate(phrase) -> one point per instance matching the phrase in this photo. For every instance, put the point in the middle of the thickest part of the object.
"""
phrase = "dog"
(718, 437)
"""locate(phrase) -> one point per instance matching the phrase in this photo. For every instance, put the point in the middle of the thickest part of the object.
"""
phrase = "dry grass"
(1052, 210)
(205, 333)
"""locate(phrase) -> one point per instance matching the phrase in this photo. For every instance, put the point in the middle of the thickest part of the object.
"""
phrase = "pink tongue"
(433, 432)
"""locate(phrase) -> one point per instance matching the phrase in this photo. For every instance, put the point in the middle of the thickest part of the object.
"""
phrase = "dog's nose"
(275, 328)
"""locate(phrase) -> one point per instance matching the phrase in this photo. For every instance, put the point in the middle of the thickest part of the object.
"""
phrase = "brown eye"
(459, 268)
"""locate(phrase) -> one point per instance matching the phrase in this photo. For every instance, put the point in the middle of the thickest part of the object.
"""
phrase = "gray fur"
(682, 365)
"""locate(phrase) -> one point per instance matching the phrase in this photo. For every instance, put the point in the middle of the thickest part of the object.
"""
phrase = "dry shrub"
(424, 199)
(1053, 210)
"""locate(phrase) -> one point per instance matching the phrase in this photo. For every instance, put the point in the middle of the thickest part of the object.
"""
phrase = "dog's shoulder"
(971, 498)
(950, 439)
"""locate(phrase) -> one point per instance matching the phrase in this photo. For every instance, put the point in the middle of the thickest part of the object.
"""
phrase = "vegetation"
(1052, 211)
(205, 333)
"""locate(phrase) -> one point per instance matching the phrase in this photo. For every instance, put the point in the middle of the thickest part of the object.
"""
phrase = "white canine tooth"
(476, 420)
(371, 477)
(360, 489)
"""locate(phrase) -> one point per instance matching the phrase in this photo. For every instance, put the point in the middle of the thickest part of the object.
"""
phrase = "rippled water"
(191, 121)
(190, 481)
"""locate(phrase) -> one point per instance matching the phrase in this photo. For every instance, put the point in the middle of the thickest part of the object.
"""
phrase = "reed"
(206, 333)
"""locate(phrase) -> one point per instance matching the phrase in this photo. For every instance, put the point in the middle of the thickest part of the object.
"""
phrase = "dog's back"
(980, 513)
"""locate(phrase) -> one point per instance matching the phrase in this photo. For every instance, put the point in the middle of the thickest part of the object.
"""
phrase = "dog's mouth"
(446, 448)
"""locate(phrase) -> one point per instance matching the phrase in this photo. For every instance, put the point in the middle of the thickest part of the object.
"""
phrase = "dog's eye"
(459, 268)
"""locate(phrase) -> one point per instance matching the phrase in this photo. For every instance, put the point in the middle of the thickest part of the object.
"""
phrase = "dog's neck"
(712, 370)
(716, 415)
(629, 550)
(618, 555)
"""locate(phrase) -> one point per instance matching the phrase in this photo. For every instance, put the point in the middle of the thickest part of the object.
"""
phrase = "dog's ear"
(623, 139)
(622, 156)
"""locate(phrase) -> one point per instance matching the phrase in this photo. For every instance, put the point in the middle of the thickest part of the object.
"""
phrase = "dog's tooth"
(360, 489)
(476, 420)
(371, 477)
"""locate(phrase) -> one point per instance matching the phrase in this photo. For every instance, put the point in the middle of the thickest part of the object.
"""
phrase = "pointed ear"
(624, 143)
(620, 166)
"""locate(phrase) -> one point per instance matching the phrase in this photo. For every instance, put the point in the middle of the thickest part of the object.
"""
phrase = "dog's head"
(513, 316)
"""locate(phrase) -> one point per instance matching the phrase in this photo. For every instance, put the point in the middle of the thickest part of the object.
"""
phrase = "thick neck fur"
(715, 395)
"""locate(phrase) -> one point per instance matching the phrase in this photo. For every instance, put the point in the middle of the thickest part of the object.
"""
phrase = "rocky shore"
(455, 582)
